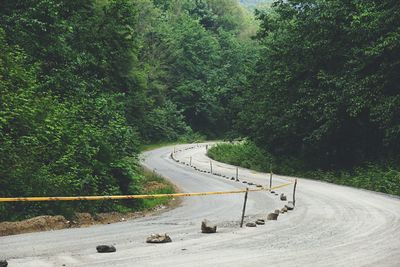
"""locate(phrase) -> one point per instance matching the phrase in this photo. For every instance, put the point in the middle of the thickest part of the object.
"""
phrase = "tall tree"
(325, 87)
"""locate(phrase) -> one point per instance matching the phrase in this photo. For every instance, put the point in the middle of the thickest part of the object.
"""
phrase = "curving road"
(331, 226)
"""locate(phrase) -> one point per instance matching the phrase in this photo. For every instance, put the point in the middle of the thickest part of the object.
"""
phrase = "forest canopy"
(85, 83)
(326, 85)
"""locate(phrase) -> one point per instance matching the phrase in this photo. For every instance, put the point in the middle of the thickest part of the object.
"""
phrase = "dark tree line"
(326, 86)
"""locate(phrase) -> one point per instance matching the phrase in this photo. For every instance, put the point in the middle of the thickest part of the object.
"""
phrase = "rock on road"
(331, 225)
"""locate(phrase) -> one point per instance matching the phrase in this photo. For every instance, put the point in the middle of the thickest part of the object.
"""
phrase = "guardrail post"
(190, 160)
(211, 167)
(270, 181)
(244, 206)
(237, 174)
(294, 192)
(270, 178)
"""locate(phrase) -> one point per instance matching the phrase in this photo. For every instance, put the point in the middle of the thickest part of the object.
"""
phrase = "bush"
(245, 154)
(383, 178)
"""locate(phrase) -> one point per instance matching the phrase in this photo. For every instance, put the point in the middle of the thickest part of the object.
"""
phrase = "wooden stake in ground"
(294, 192)
(244, 207)
(237, 174)
(270, 178)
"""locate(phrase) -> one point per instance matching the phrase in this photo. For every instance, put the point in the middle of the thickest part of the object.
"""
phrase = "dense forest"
(325, 93)
(85, 83)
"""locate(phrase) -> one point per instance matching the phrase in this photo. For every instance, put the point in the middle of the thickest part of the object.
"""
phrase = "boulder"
(233, 178)
(289, 206)
(283, 197)
(272, 216)
(207, 227)
(277, 211)
(260, 222)
(272, 192)
(250, 183)
(284, 209)
(251, 224)
(158, 238)
(105, 249)
(259, 185)
(3, 263)
(245, 182)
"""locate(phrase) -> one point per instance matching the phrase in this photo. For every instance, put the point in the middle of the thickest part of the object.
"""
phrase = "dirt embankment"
(47, 223)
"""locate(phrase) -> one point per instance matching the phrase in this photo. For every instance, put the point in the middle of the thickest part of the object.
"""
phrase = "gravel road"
(331, 226)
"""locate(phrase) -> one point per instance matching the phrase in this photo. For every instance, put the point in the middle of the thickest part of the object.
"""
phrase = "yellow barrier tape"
(26, 199)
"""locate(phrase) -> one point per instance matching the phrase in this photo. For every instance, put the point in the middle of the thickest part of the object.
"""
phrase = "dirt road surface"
(331, 226)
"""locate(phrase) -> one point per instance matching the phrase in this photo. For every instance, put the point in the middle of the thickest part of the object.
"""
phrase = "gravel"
(331, 226)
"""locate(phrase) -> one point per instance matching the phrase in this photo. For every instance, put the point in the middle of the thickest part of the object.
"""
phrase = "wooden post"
(190, 160)
(211, 167)
(237, 174)
(270, 181)
(244, 207)
(294, 192)
(270, 178)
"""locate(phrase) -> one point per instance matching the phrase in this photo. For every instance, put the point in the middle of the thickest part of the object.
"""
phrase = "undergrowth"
(380, 177)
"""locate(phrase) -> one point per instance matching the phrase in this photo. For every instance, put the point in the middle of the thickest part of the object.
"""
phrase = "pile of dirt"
(46, 223)
(41, 223)
(83, 219)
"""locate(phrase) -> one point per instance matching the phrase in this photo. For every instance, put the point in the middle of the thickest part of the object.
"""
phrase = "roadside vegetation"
(383, 178)
(324, 99)
(86, 85)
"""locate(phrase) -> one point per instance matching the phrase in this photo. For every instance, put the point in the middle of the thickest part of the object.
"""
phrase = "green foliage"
(83, 84)
(165, 123)
(383, 178)
(52, 147)
(204, 61)
(164, 187)
(380, 178)
(326, 85)
(245, 154)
